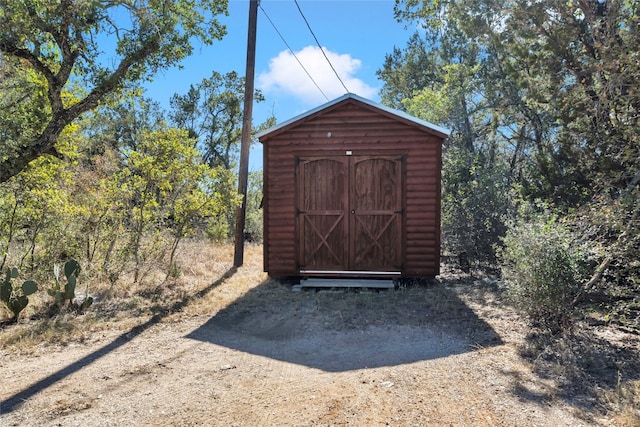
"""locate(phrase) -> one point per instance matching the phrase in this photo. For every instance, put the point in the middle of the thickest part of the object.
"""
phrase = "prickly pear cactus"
(67, 292)
(16, 299)
(71, 272)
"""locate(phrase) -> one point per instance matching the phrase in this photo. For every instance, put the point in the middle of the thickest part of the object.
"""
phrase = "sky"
(355, 35)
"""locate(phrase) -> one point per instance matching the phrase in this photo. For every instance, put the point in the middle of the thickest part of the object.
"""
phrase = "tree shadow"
(12, 402)
(592, 367)
(349, 330)
(590, 364)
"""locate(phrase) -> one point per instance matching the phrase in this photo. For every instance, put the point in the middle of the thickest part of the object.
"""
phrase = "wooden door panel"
(324, 241)
(324, 184)
(376, 243)
(376, 214)
(375, 181)
(322, 203)
(350, 213)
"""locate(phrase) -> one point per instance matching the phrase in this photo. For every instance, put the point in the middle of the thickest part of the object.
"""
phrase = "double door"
(349, 213)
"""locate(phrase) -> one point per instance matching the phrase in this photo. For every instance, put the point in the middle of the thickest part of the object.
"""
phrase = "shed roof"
(353, 98)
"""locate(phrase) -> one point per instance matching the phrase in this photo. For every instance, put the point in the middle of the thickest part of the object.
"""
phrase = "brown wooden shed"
(352, 188)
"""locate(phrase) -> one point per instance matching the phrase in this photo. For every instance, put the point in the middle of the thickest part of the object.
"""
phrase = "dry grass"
(624, 403)
(125, 304)
(211, 265)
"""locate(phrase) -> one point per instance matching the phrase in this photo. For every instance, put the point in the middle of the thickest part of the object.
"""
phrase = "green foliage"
(552, 82)
(122, 205)
(65, 293)
(23, 112)
(475, 204)
(218, 229)
(36, 209)
(151, 173)
(543, 265)
(164, 187)
(254, 216)
(612, 228)
(16, 298)
(120, 122)
(130, 188)
(439, 77)
(475, 176)
(212, 113)
(542, 102)
(62, 42)
(408, 71)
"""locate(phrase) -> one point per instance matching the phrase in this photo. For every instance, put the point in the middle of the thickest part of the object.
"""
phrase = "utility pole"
(245, 143)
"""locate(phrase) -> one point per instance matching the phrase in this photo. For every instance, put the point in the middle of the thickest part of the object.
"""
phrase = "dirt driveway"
(249, 352)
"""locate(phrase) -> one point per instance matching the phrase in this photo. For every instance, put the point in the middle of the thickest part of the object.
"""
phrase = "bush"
(254, 225)
(542, 265)
(218, 229)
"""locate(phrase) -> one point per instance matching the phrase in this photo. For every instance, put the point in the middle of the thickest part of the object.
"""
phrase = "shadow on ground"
(342, 331)
(592, 366)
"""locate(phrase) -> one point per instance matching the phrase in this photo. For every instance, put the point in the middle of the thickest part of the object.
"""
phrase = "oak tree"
(96, 45)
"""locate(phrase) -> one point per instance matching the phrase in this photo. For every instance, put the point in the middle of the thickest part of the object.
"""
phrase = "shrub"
(218, 229)
(475, 202)
(254, 225)
(542, 265)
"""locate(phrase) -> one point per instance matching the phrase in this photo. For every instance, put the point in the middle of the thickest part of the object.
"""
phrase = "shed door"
(350, 213)
(322, 208)
(376, 214)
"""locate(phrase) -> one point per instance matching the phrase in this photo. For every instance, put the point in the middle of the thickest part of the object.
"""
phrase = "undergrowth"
(122, 305)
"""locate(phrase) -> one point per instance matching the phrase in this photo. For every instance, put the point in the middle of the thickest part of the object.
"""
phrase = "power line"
(293, 53)
(321, 49)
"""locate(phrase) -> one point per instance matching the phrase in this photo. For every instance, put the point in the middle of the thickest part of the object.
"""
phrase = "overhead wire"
(321, 49)
(293, 53)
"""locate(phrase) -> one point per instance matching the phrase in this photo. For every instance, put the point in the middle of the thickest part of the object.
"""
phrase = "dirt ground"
(247, 351)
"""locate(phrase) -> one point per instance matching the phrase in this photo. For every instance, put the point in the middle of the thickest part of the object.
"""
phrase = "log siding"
(352, 126)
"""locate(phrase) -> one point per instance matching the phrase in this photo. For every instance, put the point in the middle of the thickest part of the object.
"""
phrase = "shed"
(352, 188)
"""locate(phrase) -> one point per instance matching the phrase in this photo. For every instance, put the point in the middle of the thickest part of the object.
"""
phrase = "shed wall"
(362, 131)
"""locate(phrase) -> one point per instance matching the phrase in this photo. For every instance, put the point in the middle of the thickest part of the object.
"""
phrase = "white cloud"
(286, 75)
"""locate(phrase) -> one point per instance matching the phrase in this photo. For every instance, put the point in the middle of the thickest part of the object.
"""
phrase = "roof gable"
(363, 102)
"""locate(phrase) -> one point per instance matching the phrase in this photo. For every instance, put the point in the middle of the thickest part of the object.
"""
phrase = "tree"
(553, 98)
(35, 209)
(164, 186)
(254, 221)
(407, 71)
(211, 112)
(559, 78)
(586, 55)
(439, 77)
(63, 42)
(120, 121)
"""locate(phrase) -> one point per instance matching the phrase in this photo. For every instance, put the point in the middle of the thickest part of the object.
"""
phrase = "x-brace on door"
(349, 213)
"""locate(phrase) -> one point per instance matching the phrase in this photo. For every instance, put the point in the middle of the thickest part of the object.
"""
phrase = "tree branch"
(45, 143)
(595, 277)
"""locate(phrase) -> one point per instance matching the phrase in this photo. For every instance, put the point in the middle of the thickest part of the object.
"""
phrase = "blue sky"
(356, 36)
